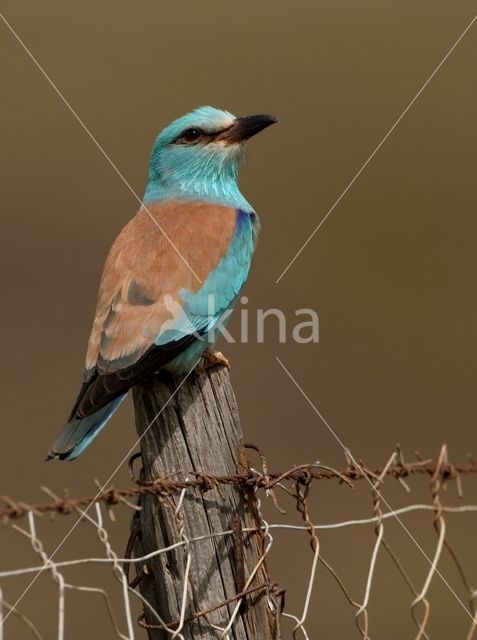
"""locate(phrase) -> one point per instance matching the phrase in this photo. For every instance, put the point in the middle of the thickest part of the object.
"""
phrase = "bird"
(172, 272)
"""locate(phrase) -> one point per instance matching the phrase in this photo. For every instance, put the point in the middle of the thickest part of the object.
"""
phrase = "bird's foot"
(210, 359)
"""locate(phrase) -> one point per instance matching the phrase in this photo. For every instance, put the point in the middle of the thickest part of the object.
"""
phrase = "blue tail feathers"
(78, 433)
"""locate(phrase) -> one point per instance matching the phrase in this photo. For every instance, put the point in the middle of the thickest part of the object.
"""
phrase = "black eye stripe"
(194, 134)
(190, 135)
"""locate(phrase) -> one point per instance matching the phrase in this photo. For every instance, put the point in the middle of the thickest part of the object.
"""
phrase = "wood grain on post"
(198, 429)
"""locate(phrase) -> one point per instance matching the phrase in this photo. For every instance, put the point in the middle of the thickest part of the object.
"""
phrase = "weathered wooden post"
(199, 430)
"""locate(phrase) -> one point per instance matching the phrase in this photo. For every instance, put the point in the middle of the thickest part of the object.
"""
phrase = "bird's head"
(198, 156)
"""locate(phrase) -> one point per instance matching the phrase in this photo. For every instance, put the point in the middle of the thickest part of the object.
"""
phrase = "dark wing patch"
(137, 295)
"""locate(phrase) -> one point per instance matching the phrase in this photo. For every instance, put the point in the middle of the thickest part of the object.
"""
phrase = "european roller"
(173, 271)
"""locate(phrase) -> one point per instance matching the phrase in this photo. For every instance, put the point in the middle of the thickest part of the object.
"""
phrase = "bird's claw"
(212, 359)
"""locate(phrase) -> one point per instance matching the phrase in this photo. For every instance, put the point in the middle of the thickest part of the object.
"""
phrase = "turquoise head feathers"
(198, 156)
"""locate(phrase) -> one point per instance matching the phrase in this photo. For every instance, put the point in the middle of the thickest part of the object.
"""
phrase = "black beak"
(245, 127)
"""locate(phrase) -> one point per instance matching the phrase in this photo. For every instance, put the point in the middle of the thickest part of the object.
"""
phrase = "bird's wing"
(155, 290)
(151, 278)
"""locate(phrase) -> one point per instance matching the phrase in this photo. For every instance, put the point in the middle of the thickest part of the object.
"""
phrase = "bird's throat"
(205, 181)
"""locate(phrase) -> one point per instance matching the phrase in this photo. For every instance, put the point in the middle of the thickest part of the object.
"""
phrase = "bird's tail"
(78, 433)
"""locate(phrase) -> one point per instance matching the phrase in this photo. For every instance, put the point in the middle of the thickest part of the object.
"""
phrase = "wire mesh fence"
(277, 493)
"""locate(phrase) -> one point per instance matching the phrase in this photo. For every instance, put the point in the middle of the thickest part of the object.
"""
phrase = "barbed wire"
(294, 483)
(251, 479)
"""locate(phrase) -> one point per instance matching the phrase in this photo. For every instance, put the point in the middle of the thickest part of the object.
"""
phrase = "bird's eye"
(191, 135)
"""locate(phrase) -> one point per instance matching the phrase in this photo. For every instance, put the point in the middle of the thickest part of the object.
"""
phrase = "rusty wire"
(301, 474)
(295, 483)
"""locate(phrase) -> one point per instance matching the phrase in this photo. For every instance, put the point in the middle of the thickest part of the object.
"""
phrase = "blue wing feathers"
(198, 313)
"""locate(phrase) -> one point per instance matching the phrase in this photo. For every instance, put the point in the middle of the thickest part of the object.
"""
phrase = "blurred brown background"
(391, 272)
